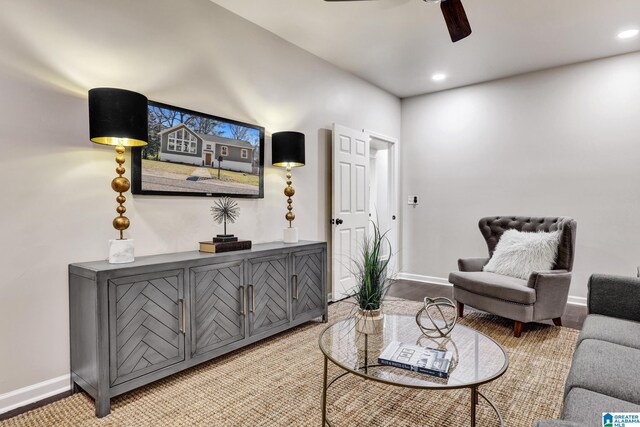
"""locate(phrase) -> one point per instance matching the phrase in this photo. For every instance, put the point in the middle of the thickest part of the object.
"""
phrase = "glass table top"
(477, 359)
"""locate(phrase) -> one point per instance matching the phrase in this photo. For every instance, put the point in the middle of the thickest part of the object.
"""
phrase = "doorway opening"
(379, 188)
(382, 203)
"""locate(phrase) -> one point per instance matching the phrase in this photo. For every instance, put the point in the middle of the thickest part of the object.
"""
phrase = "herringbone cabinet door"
(268, 297)
(219, 302)
(147, 313)
(307, 282)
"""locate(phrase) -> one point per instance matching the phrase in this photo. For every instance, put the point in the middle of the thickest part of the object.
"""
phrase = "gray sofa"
(605, 372)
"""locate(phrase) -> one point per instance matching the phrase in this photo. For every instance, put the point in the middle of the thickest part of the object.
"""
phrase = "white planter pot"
(369, 321)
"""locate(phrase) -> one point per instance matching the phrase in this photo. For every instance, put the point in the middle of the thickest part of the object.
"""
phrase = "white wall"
(57, 200)
(564, 141)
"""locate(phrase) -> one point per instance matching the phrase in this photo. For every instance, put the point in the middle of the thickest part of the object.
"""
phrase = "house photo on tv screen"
(196, 154)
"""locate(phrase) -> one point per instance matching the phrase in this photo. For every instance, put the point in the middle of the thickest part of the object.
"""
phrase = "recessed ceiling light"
(438, 77)
(628, 34)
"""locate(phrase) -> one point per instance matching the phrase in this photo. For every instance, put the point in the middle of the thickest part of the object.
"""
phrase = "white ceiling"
(398, 44)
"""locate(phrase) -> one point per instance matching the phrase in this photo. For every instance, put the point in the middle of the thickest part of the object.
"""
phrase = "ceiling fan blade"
(456, 19)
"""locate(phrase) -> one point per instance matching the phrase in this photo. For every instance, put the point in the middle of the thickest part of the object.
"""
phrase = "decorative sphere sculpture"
(439, 324)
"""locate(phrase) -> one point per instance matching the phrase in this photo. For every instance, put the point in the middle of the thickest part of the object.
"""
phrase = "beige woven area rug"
(278, 382)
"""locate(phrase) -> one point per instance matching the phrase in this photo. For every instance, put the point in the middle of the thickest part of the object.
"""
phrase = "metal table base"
(326, 384)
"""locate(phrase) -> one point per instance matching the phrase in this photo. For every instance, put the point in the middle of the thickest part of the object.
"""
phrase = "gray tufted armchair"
(543, 296)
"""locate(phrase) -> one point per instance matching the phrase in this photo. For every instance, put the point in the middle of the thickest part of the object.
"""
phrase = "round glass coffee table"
(477, 359)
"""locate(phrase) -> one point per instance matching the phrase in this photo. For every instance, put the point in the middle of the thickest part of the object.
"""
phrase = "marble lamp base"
(120, 251)
(290, 235)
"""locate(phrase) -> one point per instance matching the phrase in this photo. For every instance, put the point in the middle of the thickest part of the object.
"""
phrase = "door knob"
(339, 221)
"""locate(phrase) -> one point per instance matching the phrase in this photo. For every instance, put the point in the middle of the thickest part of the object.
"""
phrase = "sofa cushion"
(585, 407)
(610, 329)
(495, 286)
(519, 254)
(606, 368)
(614, 296)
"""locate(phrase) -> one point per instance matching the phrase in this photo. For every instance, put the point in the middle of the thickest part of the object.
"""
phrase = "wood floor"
(573, 317)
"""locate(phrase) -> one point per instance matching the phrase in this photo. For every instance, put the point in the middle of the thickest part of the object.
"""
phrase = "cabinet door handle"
(184, 316)
(253, 300)
(243, 294)
(295, 286)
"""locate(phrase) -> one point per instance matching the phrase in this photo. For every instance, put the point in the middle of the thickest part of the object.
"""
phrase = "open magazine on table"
(416, 358)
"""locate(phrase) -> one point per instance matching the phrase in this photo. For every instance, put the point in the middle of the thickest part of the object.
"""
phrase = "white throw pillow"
(518, 254)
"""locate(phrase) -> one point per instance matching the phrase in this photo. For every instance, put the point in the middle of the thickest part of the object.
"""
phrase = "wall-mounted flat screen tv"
(197, 154)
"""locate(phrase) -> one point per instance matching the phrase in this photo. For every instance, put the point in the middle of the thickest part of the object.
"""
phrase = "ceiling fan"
(454, 16)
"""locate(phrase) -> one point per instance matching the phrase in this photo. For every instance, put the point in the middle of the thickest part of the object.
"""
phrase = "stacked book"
(415, 358)
(224, 246)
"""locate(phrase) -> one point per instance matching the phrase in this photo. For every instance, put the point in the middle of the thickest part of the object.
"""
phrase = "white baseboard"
(577, 301)
(440, 281)
(423, 279)
(33, 393)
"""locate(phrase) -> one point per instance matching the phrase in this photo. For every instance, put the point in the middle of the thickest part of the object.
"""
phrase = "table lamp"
(287, 151)
(119, 117)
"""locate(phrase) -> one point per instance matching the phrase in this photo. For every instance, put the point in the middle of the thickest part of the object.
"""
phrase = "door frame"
(393, 192)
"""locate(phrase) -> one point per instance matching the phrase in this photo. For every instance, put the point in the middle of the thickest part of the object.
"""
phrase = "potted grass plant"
(372, 283)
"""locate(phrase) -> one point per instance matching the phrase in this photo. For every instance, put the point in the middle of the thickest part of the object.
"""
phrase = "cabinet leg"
(103, 407)
(325, 318)
(74, 387)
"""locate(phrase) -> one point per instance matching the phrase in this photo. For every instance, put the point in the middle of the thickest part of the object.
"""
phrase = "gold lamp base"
(121, 250)
(289, 191)
(290, 234)
(120, 184)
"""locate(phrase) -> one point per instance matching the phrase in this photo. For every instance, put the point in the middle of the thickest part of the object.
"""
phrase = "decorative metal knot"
(442, 325)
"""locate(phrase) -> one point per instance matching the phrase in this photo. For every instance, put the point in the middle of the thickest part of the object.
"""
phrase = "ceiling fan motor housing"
(454, 16)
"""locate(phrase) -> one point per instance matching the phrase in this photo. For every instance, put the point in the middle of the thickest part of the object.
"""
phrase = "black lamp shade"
(118, 117)
(287, 149)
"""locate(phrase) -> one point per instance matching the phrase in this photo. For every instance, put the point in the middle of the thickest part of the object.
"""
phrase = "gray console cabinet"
(132, 324)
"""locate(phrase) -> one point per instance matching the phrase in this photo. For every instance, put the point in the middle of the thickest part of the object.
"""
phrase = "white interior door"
(350, 207)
